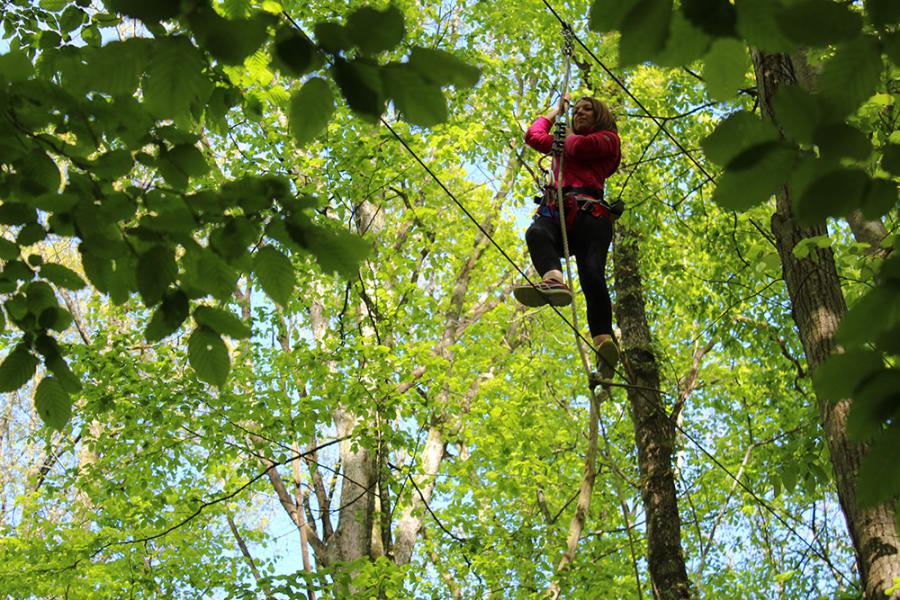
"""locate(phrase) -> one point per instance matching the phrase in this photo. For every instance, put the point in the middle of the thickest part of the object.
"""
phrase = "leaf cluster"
(103, 145)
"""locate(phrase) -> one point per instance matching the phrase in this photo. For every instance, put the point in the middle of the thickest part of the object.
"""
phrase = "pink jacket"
(589, 159)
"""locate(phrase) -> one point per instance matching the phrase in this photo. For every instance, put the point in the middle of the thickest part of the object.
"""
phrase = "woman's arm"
(538, 135)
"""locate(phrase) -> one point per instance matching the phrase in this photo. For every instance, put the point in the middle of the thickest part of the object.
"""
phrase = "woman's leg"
(545, 247)
(592, 237)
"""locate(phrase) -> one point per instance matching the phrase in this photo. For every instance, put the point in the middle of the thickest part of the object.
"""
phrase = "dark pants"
(589, 240)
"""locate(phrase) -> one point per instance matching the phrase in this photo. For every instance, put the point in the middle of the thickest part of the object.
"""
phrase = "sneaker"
(607, 358)
(548, 291)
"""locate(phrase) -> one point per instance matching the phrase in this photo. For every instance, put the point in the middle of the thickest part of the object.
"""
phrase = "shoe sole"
(533, 297)
(607, 360)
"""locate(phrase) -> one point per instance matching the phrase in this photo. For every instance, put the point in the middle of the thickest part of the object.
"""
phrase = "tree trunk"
(818, 307)
(653, 431)
(353, 537)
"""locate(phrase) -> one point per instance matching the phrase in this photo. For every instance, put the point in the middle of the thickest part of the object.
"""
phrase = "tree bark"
(353, 537)
(867, 231)
(653, 431)
(818, 307)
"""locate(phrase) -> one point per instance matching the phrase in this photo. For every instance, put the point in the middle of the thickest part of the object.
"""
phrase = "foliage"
(320, 266)
(101, 146)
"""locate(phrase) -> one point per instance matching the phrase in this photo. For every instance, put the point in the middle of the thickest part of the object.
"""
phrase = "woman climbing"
(591, 154)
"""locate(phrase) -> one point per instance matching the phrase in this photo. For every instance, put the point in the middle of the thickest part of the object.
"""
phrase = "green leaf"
(890, 160)
(16, 369)
(206, 273)
(17, 270)
(421, 103)
(123, 278)
(61, 276)
(113, 164)
(71, 19)
(879, 477)
(97, 268)
(181, 163)
(55, 318)
(443, 68)
(296, 54)
(332, 37)
(175, 79)
(275, 273)
(150, 12)
(838, 376)
(37, 173)
(8, 250)
(715, 17)
(685, 44)
(374, 31)
(725, 67)
(52, 403)
(734, 135)
(858, 327)
(879, 198)
(13, 213)
(15, 66)
(311, 110)
(789, 474)
(232, 240)
(798, 112)
(31, 233)
(757, 25)
(168, 317)
(57, 365)
(222, 321)
(644, 31)
(209, 356)
(883, 13)
(220, 102)
(172, 214)
(156, 270)
(336, 250)
(840, 140)
(360, 84)
(819, 22)
(608, 15)
(742, 188)
(229, 40)
(836, 193)
(852, 75)
(40, 296)
(875, 400)
(892, 47)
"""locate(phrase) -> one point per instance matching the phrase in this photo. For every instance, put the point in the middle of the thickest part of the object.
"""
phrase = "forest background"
(252, 288)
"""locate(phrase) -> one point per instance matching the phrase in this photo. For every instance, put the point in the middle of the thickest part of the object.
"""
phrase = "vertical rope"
(559, 154)
(590, 467)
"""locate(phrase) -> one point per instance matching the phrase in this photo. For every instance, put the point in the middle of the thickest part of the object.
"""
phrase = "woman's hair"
(603, 117)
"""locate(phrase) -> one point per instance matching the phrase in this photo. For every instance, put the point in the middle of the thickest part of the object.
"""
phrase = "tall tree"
(818, 309)
(654, 432)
